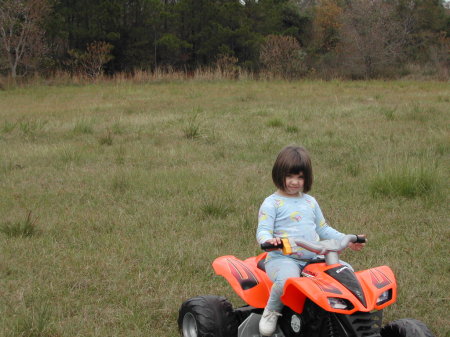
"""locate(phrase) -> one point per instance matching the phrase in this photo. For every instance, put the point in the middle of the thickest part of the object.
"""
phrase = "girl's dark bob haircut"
(292, 160)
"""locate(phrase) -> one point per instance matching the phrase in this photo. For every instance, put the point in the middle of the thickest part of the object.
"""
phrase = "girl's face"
(294, 184)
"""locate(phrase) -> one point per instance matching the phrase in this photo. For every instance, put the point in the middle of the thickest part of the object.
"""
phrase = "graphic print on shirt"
(281, 233)
(262, 216)
(295, 216)
(286, 217)
(310, 203)
(279, 203)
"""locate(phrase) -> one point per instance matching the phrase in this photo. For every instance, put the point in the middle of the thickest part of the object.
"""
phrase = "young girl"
(290, 212)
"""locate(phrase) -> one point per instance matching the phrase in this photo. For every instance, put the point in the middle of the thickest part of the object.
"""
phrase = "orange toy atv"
(328, 300)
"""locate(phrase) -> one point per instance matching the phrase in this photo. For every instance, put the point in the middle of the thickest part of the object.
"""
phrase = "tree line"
(287, 38)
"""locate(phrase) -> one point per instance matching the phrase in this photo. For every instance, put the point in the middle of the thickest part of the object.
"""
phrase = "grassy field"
(115, 198)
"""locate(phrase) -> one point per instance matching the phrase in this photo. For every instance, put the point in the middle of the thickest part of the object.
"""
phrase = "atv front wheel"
(207, 316)
(406, 327)
(291, 323)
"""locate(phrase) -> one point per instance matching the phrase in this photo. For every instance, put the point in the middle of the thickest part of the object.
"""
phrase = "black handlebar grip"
(270, 246)
(360, 239)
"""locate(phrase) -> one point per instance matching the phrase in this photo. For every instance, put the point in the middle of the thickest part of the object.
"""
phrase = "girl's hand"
(274, 241)
(357, 246)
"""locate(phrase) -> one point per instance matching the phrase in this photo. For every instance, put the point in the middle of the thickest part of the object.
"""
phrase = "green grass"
(23, 228)
(83, 126)
(405, 181)
(193, 127)
(8, 126)
(106, 138)
(137, 188)
(275, 123)
(33, 322)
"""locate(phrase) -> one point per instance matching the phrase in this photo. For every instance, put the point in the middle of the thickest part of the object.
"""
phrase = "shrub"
(91, 62)
(227, 65)
(283, 57)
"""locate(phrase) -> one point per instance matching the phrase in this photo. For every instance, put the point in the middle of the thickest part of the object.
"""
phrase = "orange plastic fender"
(376, 281)
(320, 286)
(247, 280)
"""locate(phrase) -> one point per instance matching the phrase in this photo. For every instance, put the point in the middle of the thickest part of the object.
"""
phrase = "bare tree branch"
(372, 38)
(21, 34)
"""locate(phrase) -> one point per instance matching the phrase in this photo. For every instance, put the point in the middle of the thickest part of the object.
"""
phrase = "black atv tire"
(207, 316)
(406, 327)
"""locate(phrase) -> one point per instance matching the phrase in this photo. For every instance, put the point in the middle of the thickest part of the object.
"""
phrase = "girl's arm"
(325, 231)
(266, 223)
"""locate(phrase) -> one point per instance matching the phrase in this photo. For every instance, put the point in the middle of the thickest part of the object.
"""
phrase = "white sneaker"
(268, 322)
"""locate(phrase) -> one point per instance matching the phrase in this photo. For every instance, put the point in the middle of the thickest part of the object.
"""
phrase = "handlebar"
(360, 239)
(319, 247)
(269, 246)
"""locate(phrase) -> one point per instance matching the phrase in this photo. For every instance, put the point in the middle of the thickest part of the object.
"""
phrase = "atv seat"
(315, 261)
(261, 264)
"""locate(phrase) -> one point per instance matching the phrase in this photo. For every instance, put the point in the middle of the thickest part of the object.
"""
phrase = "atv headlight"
(338, 303)
(384, 297)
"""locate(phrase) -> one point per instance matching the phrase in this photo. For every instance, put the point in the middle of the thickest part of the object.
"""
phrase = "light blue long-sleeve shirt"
(293, 217)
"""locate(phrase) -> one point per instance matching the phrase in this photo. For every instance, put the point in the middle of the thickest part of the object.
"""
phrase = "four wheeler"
(328, 300)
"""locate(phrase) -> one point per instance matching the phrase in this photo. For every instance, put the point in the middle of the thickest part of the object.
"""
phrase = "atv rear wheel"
(207, 316)
(406, 327)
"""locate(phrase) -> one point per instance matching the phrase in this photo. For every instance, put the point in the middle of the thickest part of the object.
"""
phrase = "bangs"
(297, 168)
(295, 163)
